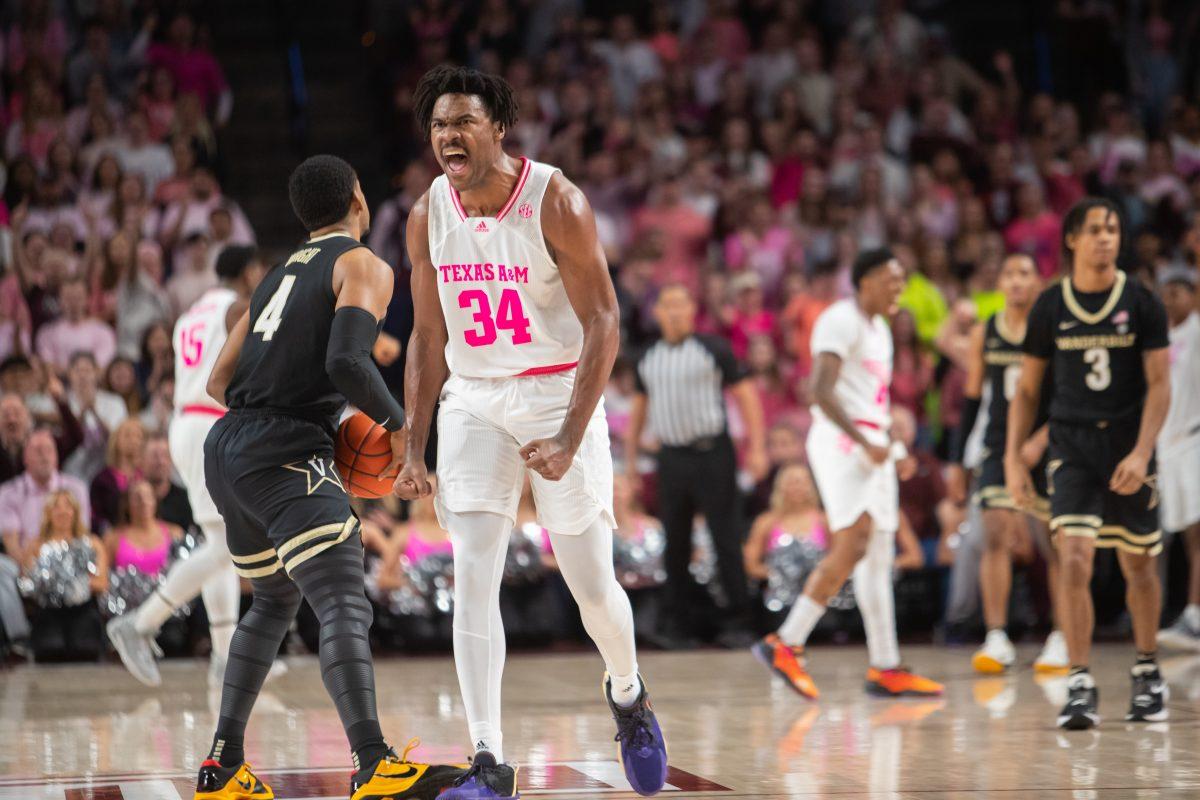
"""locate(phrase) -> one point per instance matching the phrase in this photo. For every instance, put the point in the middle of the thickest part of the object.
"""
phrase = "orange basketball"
(362, 451)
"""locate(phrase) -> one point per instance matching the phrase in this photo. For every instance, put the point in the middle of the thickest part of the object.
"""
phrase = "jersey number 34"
(510, 316)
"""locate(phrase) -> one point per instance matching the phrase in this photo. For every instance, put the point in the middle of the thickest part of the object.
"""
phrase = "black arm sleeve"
(349, 365)
(958, 441)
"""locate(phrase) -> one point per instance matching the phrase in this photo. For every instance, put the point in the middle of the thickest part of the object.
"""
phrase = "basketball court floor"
(91, 733)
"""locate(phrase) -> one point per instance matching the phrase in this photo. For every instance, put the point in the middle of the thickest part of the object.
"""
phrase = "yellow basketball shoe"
(397, 778)
(233, 783)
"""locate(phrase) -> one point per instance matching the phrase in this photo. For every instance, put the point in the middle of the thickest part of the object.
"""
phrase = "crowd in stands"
(744, 149)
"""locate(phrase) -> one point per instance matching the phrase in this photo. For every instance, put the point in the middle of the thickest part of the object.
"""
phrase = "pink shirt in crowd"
(195, 71)
(23, 501)
(1037, 237)
(58, 341)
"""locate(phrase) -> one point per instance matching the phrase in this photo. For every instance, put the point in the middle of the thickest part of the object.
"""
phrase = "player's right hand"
(413, 480)
(877, 453)
(1018, 482)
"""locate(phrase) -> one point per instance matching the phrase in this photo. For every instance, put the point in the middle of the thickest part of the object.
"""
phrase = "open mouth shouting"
(455, 159)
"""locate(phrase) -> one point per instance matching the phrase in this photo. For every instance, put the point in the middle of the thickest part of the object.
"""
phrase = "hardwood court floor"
(92, 733)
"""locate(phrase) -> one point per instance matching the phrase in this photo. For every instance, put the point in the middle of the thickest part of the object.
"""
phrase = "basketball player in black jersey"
(1104, 336)
(993, 371)
(299, 353)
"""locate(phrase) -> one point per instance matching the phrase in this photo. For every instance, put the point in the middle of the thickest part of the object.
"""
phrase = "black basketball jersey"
(1094, 342)
(282, 364)
(1002, 367)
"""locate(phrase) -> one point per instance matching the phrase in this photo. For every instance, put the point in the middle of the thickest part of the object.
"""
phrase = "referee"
(681, 381)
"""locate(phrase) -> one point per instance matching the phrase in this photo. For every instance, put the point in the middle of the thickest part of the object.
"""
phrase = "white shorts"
(482, 426)
(185, 437)
(1179, 486)
(848, 482)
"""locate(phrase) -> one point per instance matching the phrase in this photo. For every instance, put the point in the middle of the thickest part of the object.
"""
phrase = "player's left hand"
(550, 458)
(399, 442)
(906, 467)
(1130, 474)
(1031, 452)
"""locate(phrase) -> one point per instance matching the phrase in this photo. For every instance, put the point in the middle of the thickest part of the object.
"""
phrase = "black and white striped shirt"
(684, 386)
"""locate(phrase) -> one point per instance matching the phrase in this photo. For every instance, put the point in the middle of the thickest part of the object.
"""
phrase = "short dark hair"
(321, 189)
(1074, 219)
(493, 91)
(234, 259)
(867, 261)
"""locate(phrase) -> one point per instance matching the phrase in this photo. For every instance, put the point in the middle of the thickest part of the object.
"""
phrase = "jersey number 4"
(510, 316)
(272, 315)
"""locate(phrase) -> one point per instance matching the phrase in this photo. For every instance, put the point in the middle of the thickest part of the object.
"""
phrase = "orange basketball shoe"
(234, 783)
(788, 663)
(899, 682)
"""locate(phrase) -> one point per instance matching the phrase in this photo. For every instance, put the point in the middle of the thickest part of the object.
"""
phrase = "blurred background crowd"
(745, 150)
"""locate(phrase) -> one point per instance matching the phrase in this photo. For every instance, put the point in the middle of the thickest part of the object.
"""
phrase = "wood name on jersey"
(464, 273)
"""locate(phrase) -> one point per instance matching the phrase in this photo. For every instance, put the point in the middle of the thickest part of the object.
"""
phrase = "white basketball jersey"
(506, 310)
(199, 336)
(1183, 417)
(865, 348)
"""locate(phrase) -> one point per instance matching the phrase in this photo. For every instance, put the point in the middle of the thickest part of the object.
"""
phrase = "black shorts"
(1082, 460)
(273, 479)
(992, 490)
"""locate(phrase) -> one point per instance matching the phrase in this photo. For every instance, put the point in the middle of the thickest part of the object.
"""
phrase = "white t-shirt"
(1183, 418)
(865, 348)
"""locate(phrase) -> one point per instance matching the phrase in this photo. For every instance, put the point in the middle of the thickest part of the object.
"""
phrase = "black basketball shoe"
(1082, 699)
(1150, 696)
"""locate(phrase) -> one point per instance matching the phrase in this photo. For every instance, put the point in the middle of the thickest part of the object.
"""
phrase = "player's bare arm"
(826, 369)
(363, 284)
(972, 396)
(425, 370)
(223, 370)
(1130, 474)
(570, 230)
(1021, 411)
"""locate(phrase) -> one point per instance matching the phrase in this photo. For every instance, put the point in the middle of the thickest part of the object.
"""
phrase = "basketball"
(362, 452)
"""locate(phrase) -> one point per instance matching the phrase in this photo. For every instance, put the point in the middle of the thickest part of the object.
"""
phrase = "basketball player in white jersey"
(854, 461)
(516, 329)
(208, 571)
(1179, 447)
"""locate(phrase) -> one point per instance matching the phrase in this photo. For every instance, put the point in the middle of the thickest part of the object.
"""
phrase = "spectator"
(763, 246)
(124, 459)
(923, 496)
(747, 317)
(140, 539)
(16, 425)
(157, 469)
(98, 58)
(192, 215)
(99, 412)
(77, 331)
(680, 383)
(157, 358)
(156, 416)
(23, 498)
(794, 511)
(912, 372)
(682, 231)
(71, 631)
(194, 274)
(142, 301)
(142, 156)
(1036, 230)
(121, 379)
(195, 70)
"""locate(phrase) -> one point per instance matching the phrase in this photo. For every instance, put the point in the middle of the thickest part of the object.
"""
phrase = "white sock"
(480, 541)
(1191, 615)
(152, 613)
(1081, 680)
(626, 689)
(800, 621)
(873, 592)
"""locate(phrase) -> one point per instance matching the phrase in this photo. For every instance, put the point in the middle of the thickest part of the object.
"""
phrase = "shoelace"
(477, 771)
(633, 728)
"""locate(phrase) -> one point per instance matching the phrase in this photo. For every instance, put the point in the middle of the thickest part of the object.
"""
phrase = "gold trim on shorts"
(258, 565)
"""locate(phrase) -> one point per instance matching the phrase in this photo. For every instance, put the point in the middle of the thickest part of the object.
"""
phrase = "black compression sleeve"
(958, 443)
(349, 365)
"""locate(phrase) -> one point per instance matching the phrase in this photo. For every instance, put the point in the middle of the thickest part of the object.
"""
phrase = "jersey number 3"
(272, 314)
(1101, 374)
(510, 316)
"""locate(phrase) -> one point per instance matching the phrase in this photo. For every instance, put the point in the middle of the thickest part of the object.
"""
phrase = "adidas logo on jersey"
(481, 227)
